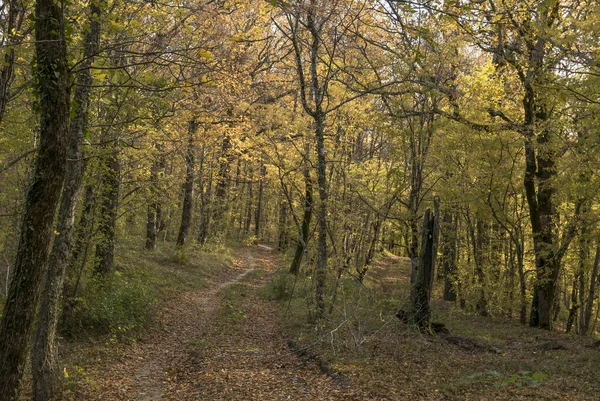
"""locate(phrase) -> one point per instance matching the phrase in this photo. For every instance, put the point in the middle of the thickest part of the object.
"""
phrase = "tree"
(53, 86)
(420, 311)
(188, 187)
(46, 374)
(318, 33)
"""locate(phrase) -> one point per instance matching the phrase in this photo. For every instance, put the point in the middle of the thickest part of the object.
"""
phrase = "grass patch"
(231, 307)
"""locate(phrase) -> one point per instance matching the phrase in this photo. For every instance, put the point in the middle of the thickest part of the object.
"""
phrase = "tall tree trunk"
(250, 198)
(582, 264)
(108, 208)
(449, 267)
(374, 241)
(83, 230)
(188, 186)
(574, 307)
(589, 305)
(222, 184)
(151, 227)
(542, 214)
(154, 217)
(480, 247)
(321, 271)
(44, 357)
(282, 243)
(205, 199)
(53, 85)
(520, 253)
(14, 20)
(259, 203)
(303, 238)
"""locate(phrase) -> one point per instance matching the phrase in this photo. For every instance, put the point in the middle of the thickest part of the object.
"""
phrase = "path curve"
(201, 355)
(141, 372)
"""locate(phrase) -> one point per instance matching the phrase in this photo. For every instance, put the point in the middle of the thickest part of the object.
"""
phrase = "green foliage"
(281, 287)
(520, 379)
(113, 305)
(251, 240)
(181, 256)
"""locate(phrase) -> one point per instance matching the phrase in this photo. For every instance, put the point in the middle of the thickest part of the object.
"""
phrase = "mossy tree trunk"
(53, 87)
(44, 356)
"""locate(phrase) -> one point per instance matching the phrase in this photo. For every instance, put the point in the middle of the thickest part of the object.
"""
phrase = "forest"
(299, 199)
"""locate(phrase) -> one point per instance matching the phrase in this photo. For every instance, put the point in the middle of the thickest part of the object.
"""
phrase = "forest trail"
(216, 343)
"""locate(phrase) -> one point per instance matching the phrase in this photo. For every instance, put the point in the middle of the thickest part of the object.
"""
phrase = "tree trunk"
(520, 253)
(188, 186)
(420, 313)
(543, 214)
(108, 208)
(582, 264)
(83, 228)
(205, 199)
(303, 239)
(14, 20)
(374, 241)
(222, 184)
(53, 85)
(250, 184)
(574, 307)
(449, 267)
(154, 208)
(282, 243)
(259, 203)
(481, 250)
(44, 356)
(151, 227)
(589, 305)
(321, 271)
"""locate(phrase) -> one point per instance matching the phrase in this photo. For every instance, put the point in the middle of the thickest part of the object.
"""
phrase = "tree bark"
(205, 187)
(303, 239)
(222, 184)
(449, 268)
(154, 217)
(188, 187)
(53, 86)
(15, 16)
(249, 199)
(589, 305)
(108, 208)
(259, 203)
(420, 313)
(321, 271)
(480, 247)
(282, 243)
(44, 357)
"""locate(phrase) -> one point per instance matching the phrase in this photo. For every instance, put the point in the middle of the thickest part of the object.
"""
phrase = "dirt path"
(213, 348)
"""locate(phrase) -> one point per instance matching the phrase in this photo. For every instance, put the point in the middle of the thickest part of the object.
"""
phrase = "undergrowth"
(124, 303)
(360, 337)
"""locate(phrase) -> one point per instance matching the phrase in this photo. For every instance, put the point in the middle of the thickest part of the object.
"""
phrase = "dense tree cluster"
(331, 127)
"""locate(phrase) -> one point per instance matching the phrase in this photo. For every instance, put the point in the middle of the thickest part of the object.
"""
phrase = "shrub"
(281, 287)
(113, 305)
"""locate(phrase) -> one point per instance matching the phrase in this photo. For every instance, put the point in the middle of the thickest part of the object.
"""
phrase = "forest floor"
(480, 358)
(230, 341)
(216, 343)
